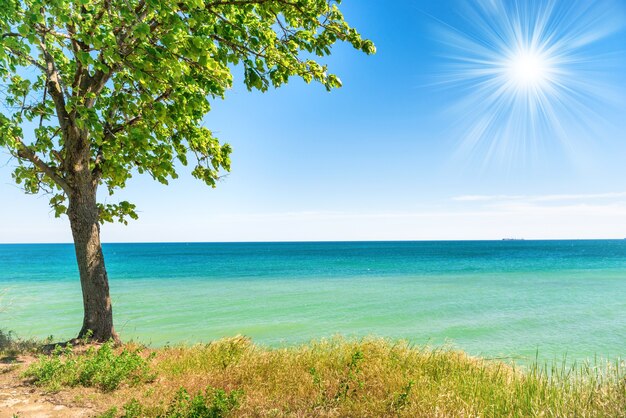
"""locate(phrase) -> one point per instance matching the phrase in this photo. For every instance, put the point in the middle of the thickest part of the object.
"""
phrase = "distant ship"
(516, 239)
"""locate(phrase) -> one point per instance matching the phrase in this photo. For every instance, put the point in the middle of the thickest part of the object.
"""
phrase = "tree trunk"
(83, 215)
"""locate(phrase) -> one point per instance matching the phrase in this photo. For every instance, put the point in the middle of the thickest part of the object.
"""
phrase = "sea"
(518, 300)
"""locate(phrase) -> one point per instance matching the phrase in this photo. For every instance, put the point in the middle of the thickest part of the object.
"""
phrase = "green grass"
(101, 367)
(11, 346)
(336, 377)
(211, 403)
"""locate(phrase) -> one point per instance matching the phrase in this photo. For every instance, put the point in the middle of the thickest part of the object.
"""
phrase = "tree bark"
(98, 314)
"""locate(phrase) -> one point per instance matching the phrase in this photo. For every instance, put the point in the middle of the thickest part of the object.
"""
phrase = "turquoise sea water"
(507, 298)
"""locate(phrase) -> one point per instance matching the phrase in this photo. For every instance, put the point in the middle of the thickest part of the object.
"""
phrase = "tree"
(97, 90)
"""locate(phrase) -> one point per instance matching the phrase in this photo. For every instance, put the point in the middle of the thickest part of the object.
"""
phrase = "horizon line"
(325, 241)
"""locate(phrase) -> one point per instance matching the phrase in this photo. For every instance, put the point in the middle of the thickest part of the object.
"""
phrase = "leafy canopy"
(93, 90)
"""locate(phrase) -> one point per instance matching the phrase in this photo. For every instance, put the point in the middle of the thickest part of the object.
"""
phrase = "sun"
(529, 76)
(528, 68)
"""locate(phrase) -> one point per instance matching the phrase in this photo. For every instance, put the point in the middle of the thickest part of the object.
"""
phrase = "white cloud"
(539, 198)
(555, 216)
(538, 217)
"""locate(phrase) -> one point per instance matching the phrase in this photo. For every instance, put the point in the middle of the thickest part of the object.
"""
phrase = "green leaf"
(130, 91)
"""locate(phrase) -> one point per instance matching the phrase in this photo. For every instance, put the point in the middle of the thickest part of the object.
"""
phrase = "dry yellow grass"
(366, 378)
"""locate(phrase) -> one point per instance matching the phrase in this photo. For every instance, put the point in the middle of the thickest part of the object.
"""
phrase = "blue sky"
(383, 157)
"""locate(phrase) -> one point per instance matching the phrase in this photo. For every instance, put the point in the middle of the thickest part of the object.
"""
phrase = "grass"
(11, 346)
(212, 403)
(100, 367)
(336, 377)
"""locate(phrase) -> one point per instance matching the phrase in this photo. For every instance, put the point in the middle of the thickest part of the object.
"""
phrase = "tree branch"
(26, 153)
(111, 131)
(245, 2)
(55, 89)
(27, 57)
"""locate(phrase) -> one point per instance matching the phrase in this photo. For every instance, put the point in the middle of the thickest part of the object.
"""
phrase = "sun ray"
(526, 73)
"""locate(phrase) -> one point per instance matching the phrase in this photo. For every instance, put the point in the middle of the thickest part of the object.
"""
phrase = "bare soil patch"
(18, 398)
